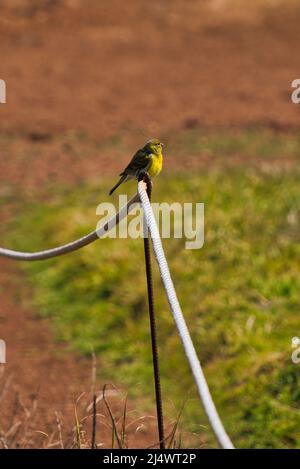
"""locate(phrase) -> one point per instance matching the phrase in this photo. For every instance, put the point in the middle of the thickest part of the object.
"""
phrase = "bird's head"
(154, 146)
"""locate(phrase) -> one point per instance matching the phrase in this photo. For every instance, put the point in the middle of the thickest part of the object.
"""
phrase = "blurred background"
(88, 82)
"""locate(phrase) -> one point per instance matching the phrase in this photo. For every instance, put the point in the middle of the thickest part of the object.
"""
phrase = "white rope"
(74, 245)
(187, 343)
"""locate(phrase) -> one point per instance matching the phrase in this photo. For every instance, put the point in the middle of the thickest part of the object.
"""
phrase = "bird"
(149, 159)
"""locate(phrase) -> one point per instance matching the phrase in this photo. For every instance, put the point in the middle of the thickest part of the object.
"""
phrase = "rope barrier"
(74, 245)
(143, 176)
(184, 334)
(188, 345)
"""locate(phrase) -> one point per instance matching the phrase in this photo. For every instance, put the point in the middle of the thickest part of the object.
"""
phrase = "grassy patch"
(251, 142)
(240, 295)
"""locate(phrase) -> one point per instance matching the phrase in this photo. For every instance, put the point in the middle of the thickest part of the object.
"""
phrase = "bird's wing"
(141, 160)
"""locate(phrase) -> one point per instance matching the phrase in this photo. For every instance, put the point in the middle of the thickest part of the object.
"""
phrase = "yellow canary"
(149, 158)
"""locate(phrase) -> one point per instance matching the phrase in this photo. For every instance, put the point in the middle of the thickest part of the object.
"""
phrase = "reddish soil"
(42, 380)
(80, 72)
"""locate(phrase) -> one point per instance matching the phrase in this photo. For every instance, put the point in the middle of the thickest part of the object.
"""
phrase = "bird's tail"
(123, 178)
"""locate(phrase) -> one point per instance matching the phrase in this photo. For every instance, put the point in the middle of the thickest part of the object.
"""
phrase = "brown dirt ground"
(100, 69)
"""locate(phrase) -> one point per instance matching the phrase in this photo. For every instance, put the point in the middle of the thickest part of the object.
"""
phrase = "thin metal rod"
(155, 357)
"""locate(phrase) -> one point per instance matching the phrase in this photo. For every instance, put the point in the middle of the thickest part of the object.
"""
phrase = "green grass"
(251, 142)
(239, 293)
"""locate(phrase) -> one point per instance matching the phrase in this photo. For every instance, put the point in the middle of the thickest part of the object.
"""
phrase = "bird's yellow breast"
(156, 165)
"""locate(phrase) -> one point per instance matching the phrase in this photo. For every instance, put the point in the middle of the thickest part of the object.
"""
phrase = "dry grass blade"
(175, 427)
(108, 393)
(113, 421)
(59, 428)
(94, 445)
(77, 428)
(123, 431)
(94, 373)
